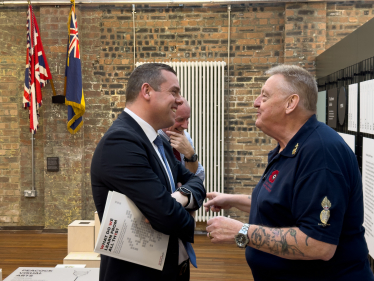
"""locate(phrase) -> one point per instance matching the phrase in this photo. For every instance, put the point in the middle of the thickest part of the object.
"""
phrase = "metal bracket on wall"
(29, 193)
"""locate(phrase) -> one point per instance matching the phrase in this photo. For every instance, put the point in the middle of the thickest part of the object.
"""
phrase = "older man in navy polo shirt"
(306, 212)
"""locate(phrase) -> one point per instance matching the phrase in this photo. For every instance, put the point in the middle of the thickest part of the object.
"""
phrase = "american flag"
(74, 97)
(37, 70)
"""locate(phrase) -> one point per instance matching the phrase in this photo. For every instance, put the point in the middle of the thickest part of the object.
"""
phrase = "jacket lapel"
(132, 123)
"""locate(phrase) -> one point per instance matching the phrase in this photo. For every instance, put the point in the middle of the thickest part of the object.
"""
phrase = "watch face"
(192, 159)
(241, 240)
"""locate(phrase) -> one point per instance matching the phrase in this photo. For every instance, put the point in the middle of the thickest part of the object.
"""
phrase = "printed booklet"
(125, 235)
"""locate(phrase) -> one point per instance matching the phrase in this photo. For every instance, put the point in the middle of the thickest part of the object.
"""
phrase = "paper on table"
(53, 274)
(125, 235)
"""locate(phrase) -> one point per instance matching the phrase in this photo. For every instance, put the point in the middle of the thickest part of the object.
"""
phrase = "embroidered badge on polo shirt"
(295, 149)
(325, 213)
(273, 176)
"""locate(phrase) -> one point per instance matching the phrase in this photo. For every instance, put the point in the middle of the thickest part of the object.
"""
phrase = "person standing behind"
(306, 212)
(181, 141)
(132, 159)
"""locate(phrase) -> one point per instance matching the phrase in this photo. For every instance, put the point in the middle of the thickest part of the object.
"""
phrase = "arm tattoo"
(306, 240)
(276, 241)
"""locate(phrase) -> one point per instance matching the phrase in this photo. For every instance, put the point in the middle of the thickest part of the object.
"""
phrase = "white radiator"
(202, 84)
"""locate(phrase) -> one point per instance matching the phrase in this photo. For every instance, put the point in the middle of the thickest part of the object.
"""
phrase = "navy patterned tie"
(187, 245)
(160, 146)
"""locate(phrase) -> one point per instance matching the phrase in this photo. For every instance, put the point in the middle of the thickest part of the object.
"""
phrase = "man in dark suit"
(129, 160)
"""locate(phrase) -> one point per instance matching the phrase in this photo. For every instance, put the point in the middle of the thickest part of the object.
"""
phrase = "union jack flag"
(37, 71)
(74, 97)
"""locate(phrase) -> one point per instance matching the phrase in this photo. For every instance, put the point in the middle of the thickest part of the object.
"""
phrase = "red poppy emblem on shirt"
(273, 176)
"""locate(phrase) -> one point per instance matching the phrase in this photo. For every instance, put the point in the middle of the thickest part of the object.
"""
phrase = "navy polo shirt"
(316, 163)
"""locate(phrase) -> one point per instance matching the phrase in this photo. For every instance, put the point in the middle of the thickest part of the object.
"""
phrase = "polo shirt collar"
(295, 144)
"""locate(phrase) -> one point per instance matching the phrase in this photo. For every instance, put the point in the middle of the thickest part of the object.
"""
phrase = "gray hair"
(146, 73)
(300, 82)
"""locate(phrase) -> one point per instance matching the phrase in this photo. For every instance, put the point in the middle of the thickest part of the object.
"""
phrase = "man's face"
(166, 100)
(181, 120)
(271, 105)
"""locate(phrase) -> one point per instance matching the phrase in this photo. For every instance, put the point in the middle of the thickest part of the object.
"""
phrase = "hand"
(217, 201)
(181, 144)
(183, 200)
(223, 230)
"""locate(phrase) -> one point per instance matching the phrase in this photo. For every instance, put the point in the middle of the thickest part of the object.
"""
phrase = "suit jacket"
(126, 162)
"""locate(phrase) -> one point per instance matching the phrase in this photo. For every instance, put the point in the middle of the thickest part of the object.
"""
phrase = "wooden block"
(97, 226)
(90, 259)
(81, 236)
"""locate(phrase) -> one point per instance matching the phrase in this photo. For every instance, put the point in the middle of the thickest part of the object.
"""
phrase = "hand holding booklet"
(125, 235)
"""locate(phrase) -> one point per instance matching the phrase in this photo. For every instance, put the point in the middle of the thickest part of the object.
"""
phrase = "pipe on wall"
(67, 2)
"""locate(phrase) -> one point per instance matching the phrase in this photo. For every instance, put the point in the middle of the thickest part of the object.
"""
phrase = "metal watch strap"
(185, 192)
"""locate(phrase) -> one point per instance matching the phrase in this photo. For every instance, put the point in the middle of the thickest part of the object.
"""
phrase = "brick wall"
(12, 23)
(262, 35)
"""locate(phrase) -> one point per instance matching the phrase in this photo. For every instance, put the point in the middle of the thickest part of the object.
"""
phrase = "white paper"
(125, 235)
(349, 139)
(54, 274)
(352, 107)
(363, 86)
(366, 105)
(369, 108)
(368, 189)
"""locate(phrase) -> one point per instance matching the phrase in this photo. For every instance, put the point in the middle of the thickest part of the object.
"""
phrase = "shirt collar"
(295, 144)
(148, 129)
(162, 133)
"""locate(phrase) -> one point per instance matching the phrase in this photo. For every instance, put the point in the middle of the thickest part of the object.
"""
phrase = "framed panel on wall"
(332, 96)
(366, 107)
(368, 188)
(352, 107)
(321, 107)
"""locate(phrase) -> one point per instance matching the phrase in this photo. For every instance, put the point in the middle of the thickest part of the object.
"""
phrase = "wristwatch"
(184, 191)
(192, 159)
(242, 238)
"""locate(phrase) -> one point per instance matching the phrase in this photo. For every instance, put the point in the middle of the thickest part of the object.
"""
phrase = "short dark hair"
(300, 81)
(146, 73)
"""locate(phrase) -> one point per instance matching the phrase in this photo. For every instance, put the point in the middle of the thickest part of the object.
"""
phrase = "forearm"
(289, 243)
(192, 166)
(241, 202)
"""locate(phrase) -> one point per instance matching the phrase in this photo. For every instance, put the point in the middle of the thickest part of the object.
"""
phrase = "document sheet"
(125, 235)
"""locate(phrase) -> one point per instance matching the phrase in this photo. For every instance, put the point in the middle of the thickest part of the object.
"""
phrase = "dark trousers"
(184, 271)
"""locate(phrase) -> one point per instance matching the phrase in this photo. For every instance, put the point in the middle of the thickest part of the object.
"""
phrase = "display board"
(342, 105)
(321, 107)
(332, 96)
(350, 140)
(366, 107)
(352, 107)
(368, 189)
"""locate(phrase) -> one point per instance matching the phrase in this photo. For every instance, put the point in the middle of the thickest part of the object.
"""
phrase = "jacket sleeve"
(123, 163)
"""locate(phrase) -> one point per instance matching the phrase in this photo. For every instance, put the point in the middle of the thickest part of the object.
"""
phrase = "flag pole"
(32, 154)
(32, 164)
